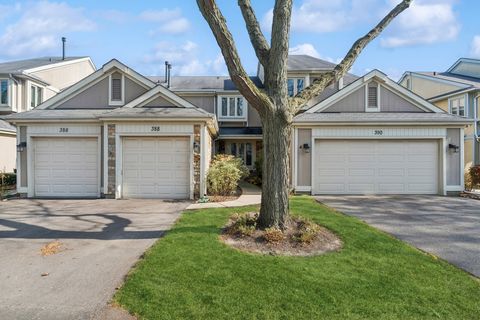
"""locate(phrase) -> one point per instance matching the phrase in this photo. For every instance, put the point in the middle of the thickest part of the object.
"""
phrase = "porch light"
(21, 146)
(453, 148)
(306, 147)
(196, 147)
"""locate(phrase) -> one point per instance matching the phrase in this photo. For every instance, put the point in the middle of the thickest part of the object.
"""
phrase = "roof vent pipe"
(169, 75)
(166, 72)
(63, 47)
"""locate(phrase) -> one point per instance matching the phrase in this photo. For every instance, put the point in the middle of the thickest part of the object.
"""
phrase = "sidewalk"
(251, 195)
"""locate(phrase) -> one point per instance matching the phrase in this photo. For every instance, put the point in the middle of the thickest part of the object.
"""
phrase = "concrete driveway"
(448, 227)
(100, 241)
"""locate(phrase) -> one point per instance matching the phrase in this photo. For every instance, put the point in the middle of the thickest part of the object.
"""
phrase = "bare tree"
(273, 104)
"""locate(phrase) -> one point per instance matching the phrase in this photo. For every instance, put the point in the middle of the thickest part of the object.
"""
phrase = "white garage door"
(66, 167)
(376, 167)
(156, 167)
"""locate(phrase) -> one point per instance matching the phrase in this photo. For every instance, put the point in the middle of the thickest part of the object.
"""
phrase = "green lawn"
(189, 274)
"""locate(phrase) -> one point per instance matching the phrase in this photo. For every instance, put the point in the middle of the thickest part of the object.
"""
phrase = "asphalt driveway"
(100, 241)
(448, 227)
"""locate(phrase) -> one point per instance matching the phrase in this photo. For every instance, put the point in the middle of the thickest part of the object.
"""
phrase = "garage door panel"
(66, 167)
(163, 169)
(376, 166)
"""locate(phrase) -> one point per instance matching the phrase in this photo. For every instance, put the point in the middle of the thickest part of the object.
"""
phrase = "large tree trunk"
(274, 210)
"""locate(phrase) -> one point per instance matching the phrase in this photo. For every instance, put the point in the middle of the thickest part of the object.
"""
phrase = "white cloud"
(319, 16)
(425, 22)
(184, 59)
(305, 48)
(476, 46)
(171, 20)
(40, 27)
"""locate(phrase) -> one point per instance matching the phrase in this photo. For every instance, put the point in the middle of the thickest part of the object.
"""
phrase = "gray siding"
(207, 103)
(304, 160)
(160, 102)
(391, 102)
(453, 159)
(354, 102)
(96, 97)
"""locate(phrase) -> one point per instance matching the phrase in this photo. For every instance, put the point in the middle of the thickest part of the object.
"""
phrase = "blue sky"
(431, 35)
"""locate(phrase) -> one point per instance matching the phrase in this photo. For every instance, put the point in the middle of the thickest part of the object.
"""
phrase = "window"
(295, 86)
(116, 88)
(232, 108)
(36, 96)
(372, 98)
(242, 150)
(457, 106)
(3, 91)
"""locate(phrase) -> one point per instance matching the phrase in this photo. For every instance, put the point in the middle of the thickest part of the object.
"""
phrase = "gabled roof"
(201, 83)
(159, 91)
(7, 127)
(466, 67)
(382, 78)
(303, 62)
(90, 80)
(30, 65)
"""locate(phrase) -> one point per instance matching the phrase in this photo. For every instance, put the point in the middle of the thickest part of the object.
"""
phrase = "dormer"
(466, 67)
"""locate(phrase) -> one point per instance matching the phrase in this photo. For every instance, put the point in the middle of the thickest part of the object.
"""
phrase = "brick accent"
(196, 162)
(111, 159)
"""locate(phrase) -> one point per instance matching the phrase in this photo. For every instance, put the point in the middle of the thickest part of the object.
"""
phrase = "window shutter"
(117, 89)
(372, 97)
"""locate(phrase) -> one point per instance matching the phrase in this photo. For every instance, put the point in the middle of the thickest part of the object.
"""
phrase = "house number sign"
(378, 132)
(155, 129)
(63, 130)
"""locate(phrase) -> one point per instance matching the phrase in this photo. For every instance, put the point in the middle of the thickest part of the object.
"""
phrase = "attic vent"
(116, 89)
(372, 97)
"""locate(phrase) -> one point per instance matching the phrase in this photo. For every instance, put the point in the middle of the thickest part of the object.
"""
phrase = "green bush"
(8, 179)
(224, 174)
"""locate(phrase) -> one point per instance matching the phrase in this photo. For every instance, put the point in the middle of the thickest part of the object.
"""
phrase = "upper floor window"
(372, 97)
(232, 107)
(36, 96)
(457, 106)
(295, 86)
(3, 91)
(116, 92)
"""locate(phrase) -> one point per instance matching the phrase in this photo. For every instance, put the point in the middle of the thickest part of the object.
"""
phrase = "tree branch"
(342, 68)
(245, 85)
(260, 44)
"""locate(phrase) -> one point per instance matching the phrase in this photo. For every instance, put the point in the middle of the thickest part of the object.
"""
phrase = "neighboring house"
(25, 84)
(120, 134)
(455, 91)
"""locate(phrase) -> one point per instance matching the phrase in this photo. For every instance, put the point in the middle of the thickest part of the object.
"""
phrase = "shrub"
(224, 173)
(242, 225)
(468, 177)
(307, 231)
(8, 179)
(474, 177)
(273, 235)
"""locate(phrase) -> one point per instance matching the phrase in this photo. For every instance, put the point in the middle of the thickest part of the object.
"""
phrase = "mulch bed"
(219, 198)
(324, 241)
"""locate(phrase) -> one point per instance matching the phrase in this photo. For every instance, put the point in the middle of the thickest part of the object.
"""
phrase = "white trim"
(435, 79)
(159, 91)
(92, 79)
(466, 113)
(9, 94)
(303, 189)
(443, 165)
(367, 92)
(383, 80)
(231, 118)
(18, 161)
(468, 60)
(203, 151)
(61, 64)
(120, 102)
(462, 157)
(105, 158)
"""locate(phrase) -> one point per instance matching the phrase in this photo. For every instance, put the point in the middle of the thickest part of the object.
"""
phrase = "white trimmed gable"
(391, 97)
(466, 67)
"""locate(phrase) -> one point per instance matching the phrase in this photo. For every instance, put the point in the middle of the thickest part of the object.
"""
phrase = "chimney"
(169, 75)
(63, 47)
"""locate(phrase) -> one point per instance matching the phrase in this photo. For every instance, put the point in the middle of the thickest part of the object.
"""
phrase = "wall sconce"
(453, 148)
(305, 147)
(196, 147)
(21, 146)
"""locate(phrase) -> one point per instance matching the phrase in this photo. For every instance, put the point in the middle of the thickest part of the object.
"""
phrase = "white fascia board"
(387, 82)
(91, 79)
(159, 91)
(61, 64)
(448, 95)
